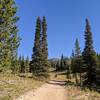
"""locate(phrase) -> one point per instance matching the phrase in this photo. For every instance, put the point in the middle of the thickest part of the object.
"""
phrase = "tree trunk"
(80, 79)
(76, 79)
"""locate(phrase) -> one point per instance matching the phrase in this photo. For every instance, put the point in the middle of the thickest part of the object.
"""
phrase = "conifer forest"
(74, 77)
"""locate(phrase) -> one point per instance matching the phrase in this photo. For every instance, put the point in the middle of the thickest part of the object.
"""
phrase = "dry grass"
(59, 77)
(12, 86)
(75, 93)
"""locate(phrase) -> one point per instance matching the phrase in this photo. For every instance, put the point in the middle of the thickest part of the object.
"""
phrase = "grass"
(12, 86)
(58, 77)
(75, 93)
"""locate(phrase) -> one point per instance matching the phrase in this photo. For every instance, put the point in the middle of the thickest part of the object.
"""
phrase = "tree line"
(84, 65)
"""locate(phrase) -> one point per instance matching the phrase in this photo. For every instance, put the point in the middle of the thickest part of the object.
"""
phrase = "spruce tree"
(78, 60)
(22, 69)
(58, 65)
(67, 67)
(62, 64)
(15, 65)
(19, 63)
(44, 46)
(72, 61)
(44, 39)
(77, 48)
(36, 56)
(27, 65)
(98, 56)
(89, 57)
(9, 39)
(38, 64)
(98, 70)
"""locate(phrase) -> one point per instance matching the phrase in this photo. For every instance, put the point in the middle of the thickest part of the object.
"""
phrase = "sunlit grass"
(12, 86)
(75, 93)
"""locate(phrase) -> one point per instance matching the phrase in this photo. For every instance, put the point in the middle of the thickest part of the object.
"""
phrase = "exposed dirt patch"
(53, 90)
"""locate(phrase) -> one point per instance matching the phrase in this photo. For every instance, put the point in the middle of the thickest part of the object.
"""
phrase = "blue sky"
(65, 20)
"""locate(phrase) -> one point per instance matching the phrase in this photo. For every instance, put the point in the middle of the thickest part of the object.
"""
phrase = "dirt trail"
(54, 90)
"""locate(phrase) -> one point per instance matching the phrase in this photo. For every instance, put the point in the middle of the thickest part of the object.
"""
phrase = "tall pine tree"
(27, 65)
(38, 64)
(22, 67)
(78, 61)
(44, 44)
(9, 39)
(62, 64)
(36, 56)
(89, 57)
(44, 39)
